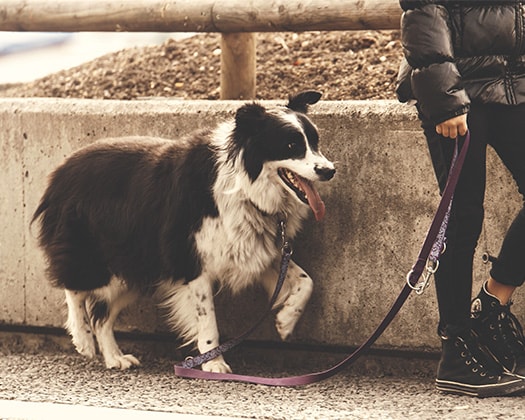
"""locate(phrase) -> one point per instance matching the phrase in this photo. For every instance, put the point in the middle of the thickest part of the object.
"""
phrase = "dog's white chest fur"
(237, 251)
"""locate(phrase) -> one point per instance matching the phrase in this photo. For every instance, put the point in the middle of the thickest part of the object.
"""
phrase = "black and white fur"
(176, 219)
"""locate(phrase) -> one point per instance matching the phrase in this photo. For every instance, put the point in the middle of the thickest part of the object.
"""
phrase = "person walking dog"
(464, 67)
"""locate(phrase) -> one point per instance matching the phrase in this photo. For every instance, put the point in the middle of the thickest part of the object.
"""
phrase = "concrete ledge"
(379, 208)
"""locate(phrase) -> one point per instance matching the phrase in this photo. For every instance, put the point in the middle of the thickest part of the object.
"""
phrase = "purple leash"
(426, 264)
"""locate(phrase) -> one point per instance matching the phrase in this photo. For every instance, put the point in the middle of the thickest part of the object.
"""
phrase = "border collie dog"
(129, 216)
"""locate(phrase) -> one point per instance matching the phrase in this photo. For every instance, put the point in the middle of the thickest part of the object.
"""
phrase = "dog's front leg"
(294, 296)
(207, 331)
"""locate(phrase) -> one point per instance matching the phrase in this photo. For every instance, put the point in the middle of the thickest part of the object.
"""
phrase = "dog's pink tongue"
(314, 199)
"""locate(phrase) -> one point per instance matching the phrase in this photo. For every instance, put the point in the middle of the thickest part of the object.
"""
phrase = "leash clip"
(430, 269)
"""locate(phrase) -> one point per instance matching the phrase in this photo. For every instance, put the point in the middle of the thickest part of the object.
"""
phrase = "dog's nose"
(325, 173)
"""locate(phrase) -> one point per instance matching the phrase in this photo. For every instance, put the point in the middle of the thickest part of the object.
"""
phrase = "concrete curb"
(379, 207)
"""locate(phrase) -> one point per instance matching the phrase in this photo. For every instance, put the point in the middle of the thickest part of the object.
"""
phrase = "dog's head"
(282, 145)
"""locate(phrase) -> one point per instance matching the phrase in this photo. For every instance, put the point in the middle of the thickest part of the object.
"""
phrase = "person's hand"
(451, 128)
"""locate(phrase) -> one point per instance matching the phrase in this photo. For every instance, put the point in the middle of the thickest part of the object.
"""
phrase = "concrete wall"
(379, 207)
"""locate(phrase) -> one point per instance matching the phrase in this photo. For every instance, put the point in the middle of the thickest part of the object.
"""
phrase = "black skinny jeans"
(503, 128)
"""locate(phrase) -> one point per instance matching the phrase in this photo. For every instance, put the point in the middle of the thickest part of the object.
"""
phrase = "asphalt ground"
(41, 377)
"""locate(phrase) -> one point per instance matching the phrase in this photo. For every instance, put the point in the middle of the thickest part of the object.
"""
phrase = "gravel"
(343, 65)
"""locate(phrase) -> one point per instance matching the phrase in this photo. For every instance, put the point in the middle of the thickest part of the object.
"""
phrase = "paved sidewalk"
(54, 411)
(67, 384)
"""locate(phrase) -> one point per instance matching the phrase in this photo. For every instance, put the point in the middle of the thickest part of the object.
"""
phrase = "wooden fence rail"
(237, 20)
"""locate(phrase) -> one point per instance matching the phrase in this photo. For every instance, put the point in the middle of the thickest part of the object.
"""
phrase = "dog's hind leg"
(108, 302)
(295, 293)
(191, 311)
(78, 324)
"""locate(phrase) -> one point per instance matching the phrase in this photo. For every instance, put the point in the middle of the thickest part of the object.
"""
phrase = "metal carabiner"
(430, 269)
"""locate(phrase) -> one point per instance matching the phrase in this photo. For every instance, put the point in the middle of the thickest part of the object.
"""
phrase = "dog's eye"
(294, 146)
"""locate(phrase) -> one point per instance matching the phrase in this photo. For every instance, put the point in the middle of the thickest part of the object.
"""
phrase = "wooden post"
(238, 65)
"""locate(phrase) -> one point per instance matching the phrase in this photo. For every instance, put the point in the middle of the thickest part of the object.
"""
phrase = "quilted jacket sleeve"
(435, 79)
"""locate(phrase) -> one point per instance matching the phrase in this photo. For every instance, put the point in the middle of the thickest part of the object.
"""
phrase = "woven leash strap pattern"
(432, 247)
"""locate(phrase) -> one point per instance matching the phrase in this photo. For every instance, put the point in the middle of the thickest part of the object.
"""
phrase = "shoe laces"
(511, 331)
(477, 359)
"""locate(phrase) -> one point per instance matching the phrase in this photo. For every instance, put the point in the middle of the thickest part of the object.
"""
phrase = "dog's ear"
(248, 118)
(301, 101)
(249, 122)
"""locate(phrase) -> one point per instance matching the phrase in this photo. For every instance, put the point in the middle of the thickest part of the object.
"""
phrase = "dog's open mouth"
(304, 189)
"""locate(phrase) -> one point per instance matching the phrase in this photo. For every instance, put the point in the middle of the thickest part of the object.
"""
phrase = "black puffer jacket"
(462, 51)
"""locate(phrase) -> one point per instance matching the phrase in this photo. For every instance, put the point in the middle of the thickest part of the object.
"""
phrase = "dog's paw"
(122, 361)
(85, 346)
(216, 366)
(285, 321)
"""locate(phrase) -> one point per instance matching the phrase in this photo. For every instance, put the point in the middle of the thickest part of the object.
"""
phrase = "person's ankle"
(502, 292)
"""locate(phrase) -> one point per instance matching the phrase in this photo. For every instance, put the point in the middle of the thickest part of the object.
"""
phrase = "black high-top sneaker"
(499, 330)
(466, 369)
